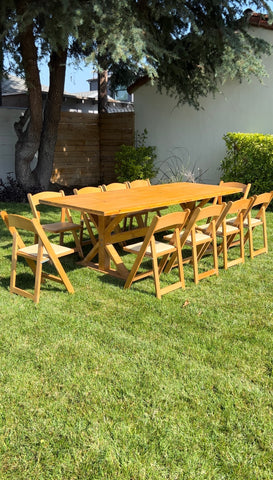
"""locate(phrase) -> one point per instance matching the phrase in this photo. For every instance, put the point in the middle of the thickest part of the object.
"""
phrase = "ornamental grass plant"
(113, 384)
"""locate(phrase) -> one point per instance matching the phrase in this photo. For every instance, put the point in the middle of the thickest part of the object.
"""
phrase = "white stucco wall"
(197, 136)
(8, 116)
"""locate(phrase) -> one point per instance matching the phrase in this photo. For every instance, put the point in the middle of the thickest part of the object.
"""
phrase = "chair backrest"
(114, 186)
(4, 216)
(35, 199)
(241, 208)
(170, 221)
(83, 190)
(7, 219)
(263, 200)
(175, 220)
(18, 222)
(243, 187)
(22, 223)
(139, 183)
(216, 215)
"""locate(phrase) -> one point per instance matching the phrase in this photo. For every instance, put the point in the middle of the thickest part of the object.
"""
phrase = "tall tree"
(188, 47)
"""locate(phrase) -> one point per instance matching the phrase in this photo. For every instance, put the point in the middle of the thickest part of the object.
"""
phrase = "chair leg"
(195, 263)
(215, 255)
(13, 267)
(156, 278)
(77, 243)
(61, 238)
(81, 231)
(38, 274)
(264, 248)
(242, 247)
(225, 252)
(93, 239)
(181, 268)
(249, 237)
(265, 235)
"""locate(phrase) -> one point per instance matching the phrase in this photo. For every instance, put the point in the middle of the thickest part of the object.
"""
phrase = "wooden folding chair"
(57, 227)
(243, 187)
(202, 238)
(114, 186)
(123, 186)
(143, 183)
(139, 183)
(261, 203)
(4, 216)
(90, 221)
(83, 190)
(233, 227)
(150, 247)
(38, 254)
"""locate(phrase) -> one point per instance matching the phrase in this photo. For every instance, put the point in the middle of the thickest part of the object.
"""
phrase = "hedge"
(249, 159)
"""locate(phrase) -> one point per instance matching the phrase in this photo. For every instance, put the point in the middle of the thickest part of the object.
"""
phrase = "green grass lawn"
(117, 385)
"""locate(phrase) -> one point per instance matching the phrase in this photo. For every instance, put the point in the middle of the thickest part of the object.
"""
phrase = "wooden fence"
(86, 146)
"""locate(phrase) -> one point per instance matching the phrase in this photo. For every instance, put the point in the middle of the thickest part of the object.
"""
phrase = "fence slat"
(86, 146)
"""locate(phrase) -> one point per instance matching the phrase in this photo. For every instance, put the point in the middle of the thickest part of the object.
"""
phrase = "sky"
(77, 76)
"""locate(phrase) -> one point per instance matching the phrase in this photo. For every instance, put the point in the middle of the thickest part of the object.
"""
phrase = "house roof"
(259, 20)
(138, 83)
(255, 19)
(15, 86)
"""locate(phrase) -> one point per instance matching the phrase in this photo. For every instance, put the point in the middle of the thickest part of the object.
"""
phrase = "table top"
(138, 199)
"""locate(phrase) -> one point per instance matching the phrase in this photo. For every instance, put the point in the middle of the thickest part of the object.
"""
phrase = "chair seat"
(230, 221)
(32, 251)
(65, 224)
(161, 248)
(230, 229)
(58, 227)
(203, 227)
(200, 237)
(254, 222)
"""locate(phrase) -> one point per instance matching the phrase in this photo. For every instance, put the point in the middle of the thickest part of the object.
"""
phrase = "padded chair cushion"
(161, 247)
(229, 229)
(32, 251)
(254, 222)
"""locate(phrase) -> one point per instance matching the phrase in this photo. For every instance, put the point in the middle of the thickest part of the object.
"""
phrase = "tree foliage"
(188, 47)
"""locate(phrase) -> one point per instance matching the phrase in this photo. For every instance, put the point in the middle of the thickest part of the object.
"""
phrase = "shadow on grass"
(26, 282)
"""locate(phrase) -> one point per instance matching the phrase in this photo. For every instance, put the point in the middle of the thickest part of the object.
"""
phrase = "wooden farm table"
(111, 207)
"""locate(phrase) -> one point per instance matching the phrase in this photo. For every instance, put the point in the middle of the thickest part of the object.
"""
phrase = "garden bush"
(13, 191)
(249, 159)
(136, 162)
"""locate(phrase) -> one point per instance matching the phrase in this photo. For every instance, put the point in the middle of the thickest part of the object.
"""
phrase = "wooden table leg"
(104, 259)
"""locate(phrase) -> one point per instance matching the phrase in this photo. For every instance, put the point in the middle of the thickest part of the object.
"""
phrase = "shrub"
(136, 162)
(178, 168)
(13, 191)
(249, 159)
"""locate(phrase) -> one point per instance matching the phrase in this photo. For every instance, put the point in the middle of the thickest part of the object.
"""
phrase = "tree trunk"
(52, 113)
(29, 127)
(102, 91)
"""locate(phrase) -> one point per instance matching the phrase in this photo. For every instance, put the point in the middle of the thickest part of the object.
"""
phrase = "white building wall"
(8, 116)
(197, 136)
